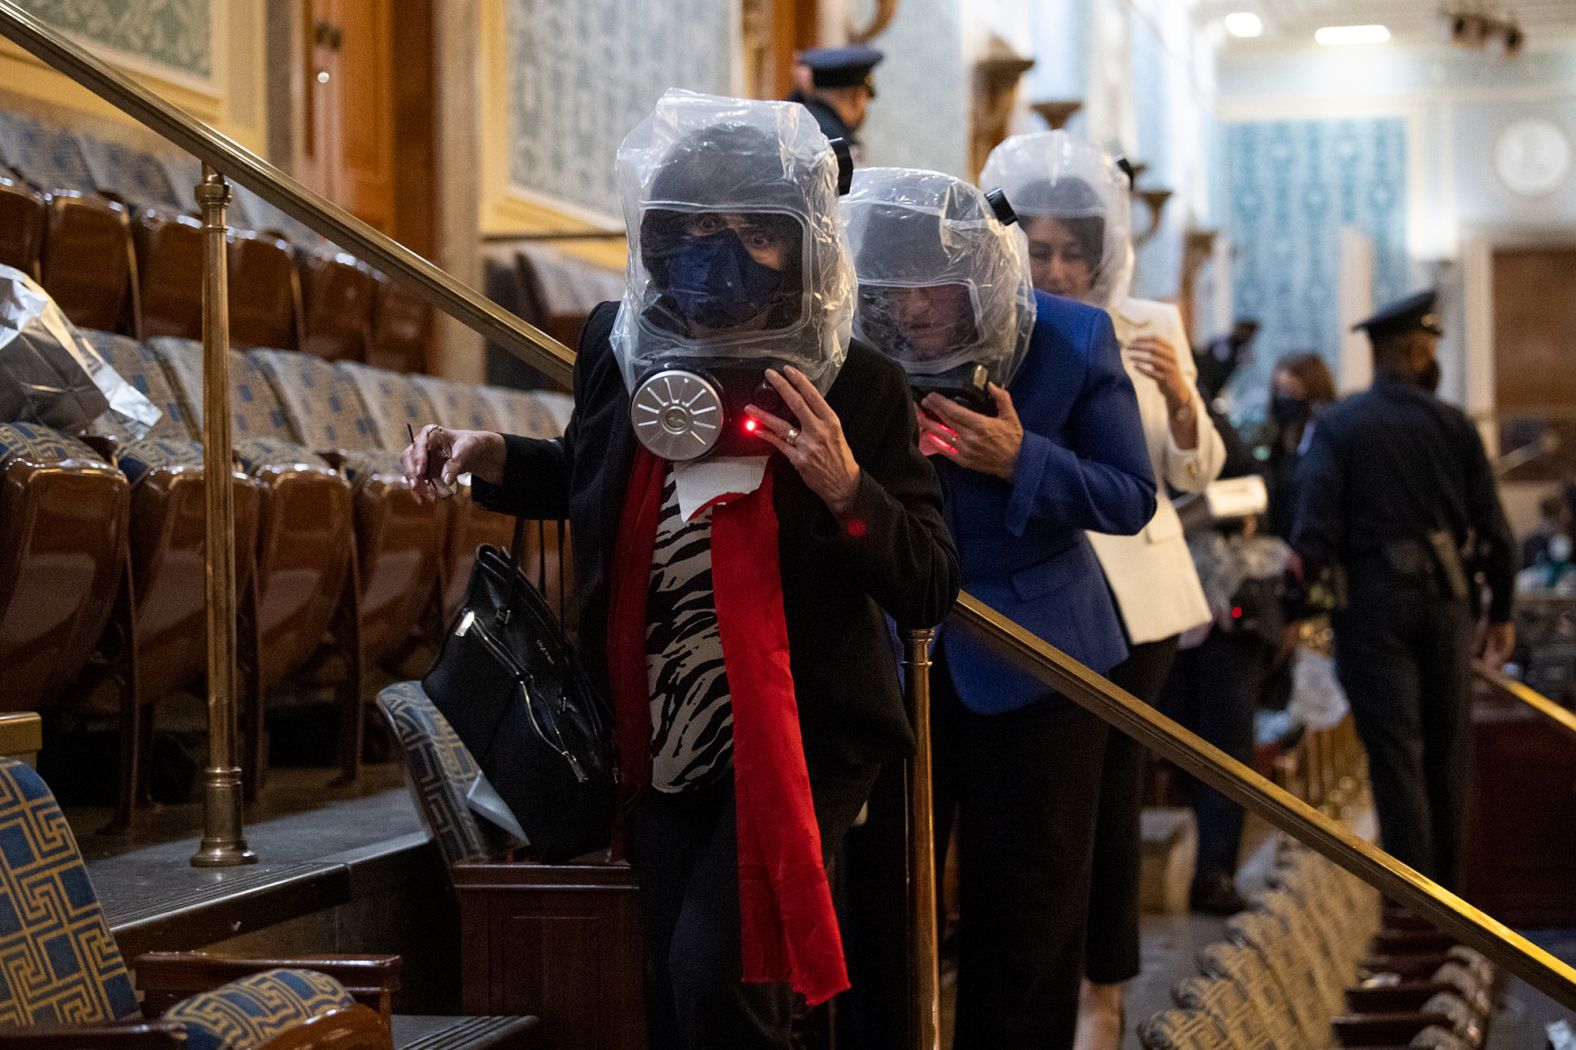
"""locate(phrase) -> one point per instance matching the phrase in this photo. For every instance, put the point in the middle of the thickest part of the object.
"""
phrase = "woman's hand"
(815, 447)
(987, 444)
(436, 459)
(1157, 358)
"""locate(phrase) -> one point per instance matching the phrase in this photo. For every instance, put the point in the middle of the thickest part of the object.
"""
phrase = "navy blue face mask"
(713, 281)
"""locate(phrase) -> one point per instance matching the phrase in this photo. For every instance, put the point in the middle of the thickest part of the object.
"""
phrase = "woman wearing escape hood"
(748, 499)
(1057, 448)
(1074, 203)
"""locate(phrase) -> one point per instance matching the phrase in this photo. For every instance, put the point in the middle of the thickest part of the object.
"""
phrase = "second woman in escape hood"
(1058, 450)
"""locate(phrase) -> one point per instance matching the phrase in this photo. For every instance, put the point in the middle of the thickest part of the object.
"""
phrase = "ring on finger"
(792, 435)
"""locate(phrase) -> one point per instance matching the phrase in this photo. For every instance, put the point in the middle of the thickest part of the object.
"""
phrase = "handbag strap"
(517, 545)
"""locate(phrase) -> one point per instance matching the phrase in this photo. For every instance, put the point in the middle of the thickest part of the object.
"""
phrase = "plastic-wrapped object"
(737, 262)
(50, 374)
(1054, 175)
(943, 282)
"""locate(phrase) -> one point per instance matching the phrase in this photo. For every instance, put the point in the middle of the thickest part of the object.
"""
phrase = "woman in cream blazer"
(1074, 203)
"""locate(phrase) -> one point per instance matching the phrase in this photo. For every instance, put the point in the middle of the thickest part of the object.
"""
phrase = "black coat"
(836, 584)
(1395, 463)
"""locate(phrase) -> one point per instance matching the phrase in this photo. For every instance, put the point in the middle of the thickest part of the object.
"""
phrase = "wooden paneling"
(563, 942)
(361, 74)
(366, 108)
(1534, 316)
(1521, 857)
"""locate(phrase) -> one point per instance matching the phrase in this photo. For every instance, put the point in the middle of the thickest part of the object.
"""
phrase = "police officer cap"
(835, 67)
(1414, 313)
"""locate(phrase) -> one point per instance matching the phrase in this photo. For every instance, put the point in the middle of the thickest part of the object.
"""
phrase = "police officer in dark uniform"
(1397, 505)
(840, 89)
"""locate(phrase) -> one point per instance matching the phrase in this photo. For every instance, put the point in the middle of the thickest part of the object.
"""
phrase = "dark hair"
(1311, 371)
(1071, 202)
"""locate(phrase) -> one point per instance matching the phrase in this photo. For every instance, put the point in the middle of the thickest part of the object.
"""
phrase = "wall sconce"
(1198, 247)
(996, 77)
(885, 11)
(1155, 201)
(1057, 111)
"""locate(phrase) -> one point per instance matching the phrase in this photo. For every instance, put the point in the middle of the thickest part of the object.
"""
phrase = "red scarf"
(788, 930)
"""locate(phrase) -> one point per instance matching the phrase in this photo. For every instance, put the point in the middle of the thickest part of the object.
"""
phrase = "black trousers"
(1023, 786)
(1213, 691)
(1402, 655)
(1111, 955)
(684, 849)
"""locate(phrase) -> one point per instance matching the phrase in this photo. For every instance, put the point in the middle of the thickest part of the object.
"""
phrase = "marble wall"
(921, 117)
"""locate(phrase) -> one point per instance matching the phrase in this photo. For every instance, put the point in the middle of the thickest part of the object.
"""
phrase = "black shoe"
(1216, 894)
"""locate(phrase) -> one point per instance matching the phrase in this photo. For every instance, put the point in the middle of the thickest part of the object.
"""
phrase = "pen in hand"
(438, 485)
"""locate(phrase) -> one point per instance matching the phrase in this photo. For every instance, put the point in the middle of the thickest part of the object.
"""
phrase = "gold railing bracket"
(223, 842)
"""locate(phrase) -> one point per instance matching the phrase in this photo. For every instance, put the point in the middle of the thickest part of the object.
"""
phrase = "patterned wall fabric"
(321, 405)
(1293, 186)
(439, 770)
(36, 443)
(173, 33)
(921, 117)
(581, 75)
(460, 406)
(48, 156)
(58, 960)
(252, 1010)
(391, 399)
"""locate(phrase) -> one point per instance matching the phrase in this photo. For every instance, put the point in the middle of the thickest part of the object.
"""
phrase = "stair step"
(465, 1033)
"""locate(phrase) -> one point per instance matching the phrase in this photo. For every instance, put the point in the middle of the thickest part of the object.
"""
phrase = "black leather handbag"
(512, 687)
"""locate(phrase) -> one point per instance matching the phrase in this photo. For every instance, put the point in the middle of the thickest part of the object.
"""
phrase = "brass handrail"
(1511, 689)
(433, 284)
(1043, 661)
(1119, 708)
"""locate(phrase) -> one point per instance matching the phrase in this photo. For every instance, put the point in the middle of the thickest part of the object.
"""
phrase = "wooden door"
(349, 128)
(1534, 316)
(366, 132)
(1534, 370)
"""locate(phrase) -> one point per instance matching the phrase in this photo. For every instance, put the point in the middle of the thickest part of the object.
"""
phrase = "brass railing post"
(923, 947)
(223, 842)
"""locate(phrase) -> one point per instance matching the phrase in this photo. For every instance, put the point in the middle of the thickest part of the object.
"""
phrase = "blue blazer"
(1083, 465)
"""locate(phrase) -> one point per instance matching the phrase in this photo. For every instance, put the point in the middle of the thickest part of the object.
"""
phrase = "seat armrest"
(126, 1035)
(1389, 1029)
(1406, 997)
(1411, 942)
(1418, 967)
(165, 978)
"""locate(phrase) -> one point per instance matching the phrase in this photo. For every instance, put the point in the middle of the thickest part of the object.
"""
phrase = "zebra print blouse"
(691, 712)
